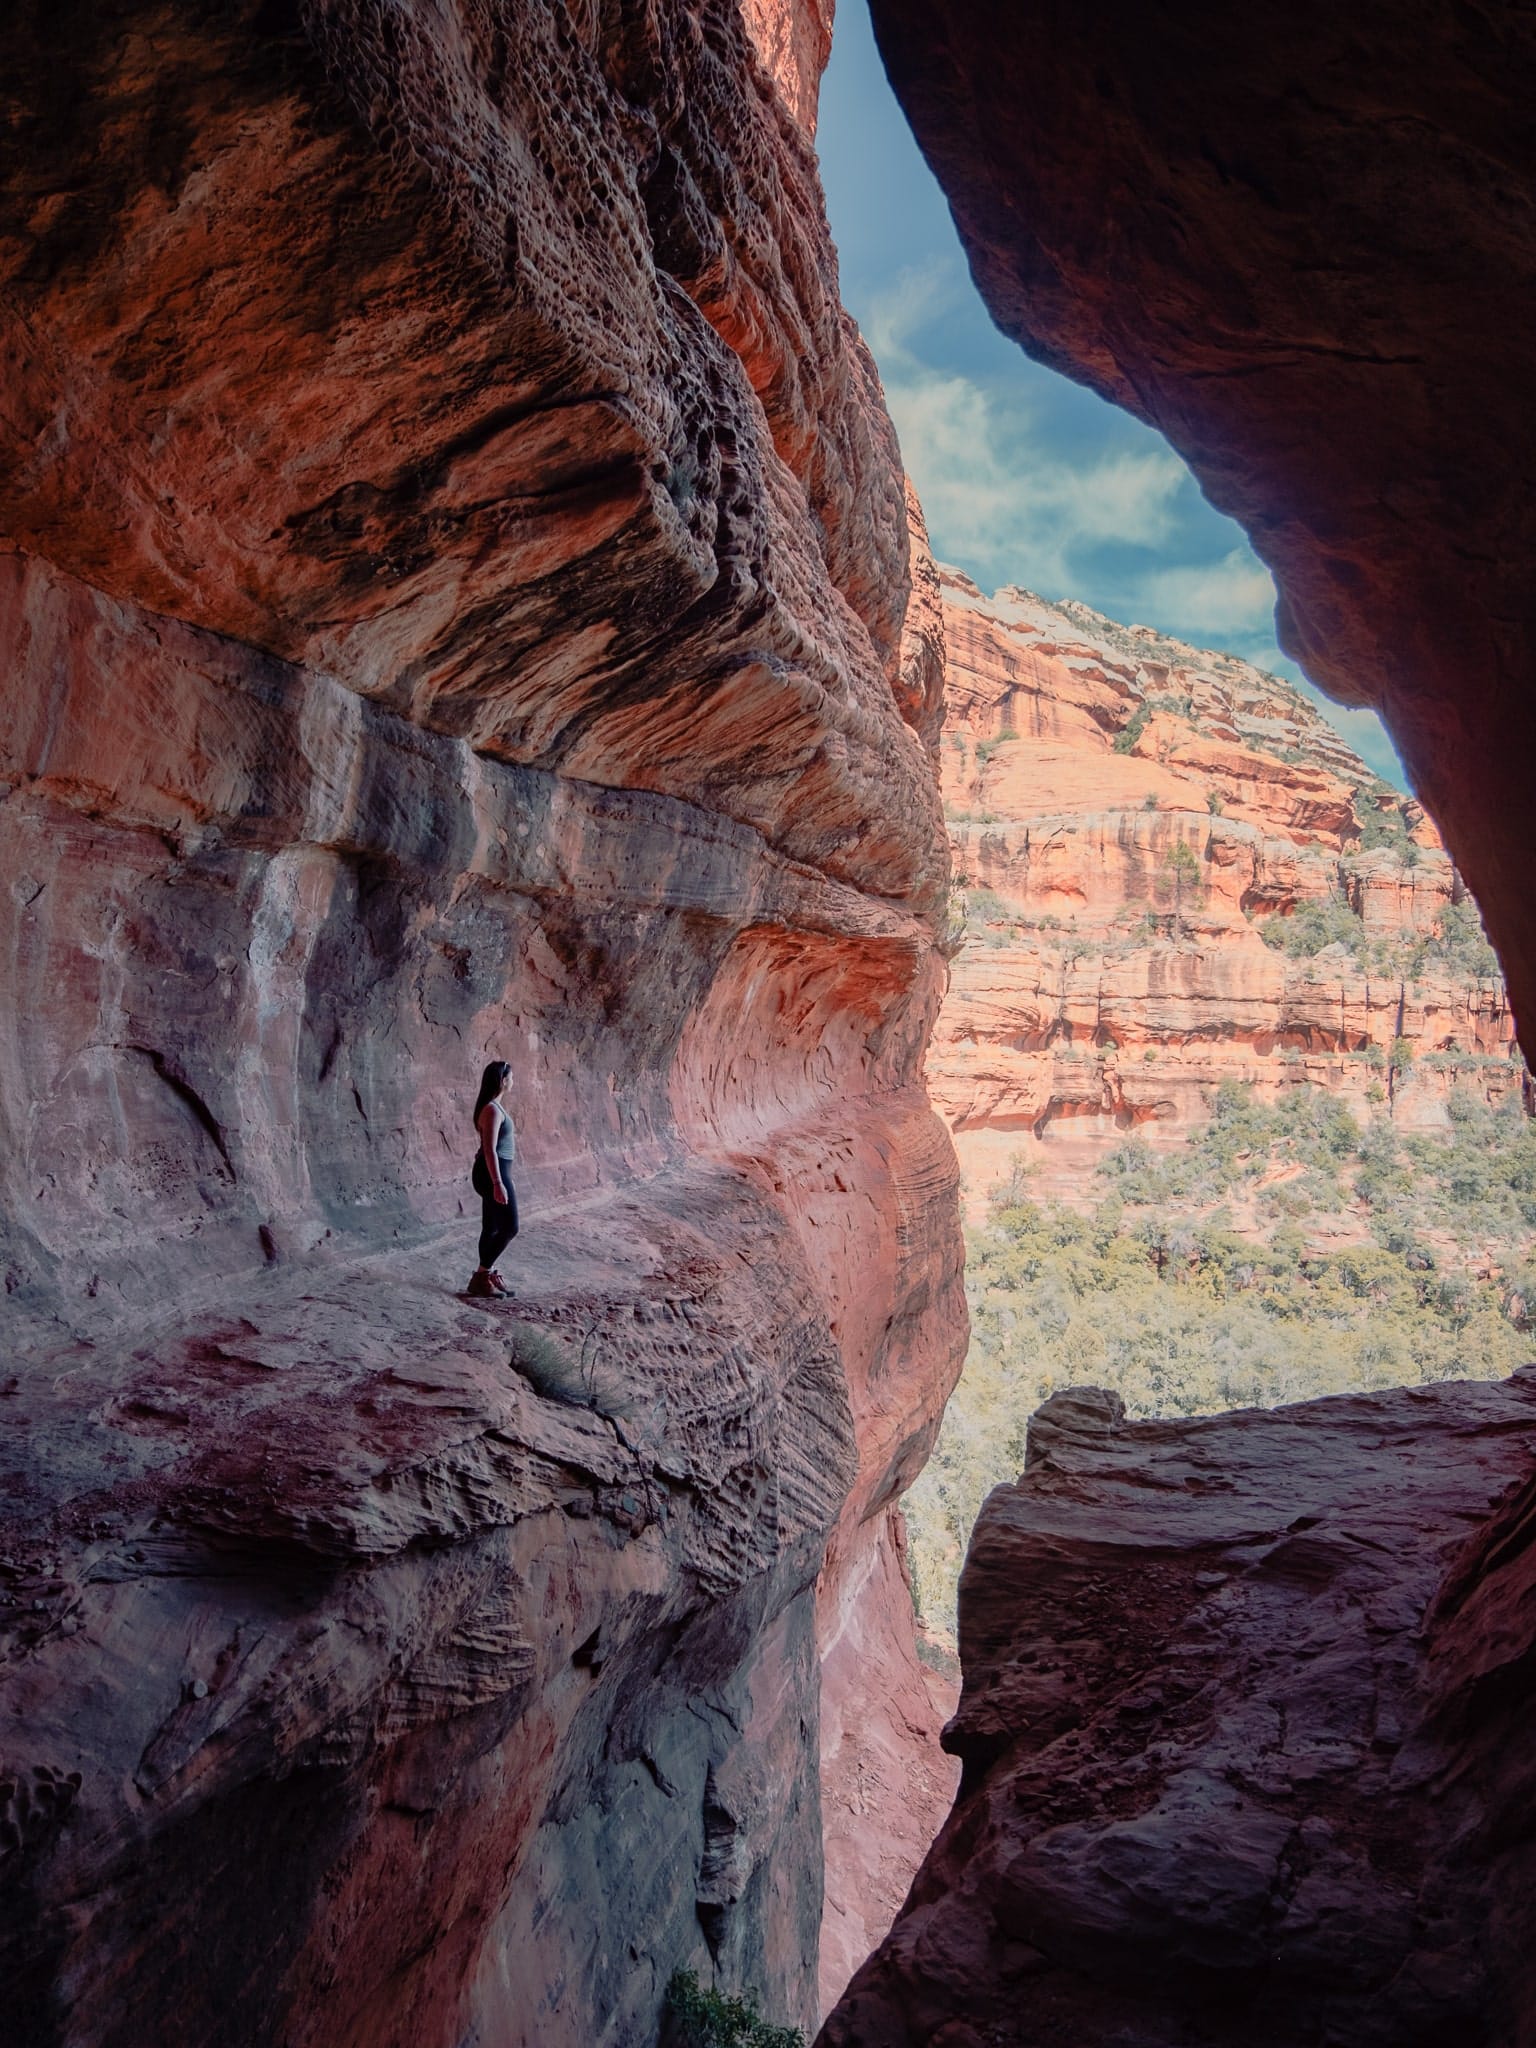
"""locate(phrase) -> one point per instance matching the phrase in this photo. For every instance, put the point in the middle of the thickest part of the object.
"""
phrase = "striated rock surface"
(1244, 1738)
(455, 603)
(1128, 816)
(1299, 241)
(886, 1786)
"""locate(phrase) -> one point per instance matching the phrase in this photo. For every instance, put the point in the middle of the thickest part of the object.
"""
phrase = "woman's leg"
(499, 1227)
(492, 1243)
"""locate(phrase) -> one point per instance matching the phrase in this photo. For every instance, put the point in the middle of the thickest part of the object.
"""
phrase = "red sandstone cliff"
(455, 602)
(1129, 816)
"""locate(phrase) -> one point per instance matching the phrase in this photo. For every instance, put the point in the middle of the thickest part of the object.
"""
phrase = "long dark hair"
(492, 1081)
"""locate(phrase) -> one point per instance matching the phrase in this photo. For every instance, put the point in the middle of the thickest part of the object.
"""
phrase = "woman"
(492, 1178)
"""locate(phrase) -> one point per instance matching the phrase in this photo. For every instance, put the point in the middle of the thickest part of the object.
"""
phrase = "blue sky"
(1025, 477)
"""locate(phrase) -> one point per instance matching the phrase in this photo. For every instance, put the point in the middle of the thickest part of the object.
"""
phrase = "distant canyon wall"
(455, 594)
(1142, 831)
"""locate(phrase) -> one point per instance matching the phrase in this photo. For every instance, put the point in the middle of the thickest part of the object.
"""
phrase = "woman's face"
(506, 1087)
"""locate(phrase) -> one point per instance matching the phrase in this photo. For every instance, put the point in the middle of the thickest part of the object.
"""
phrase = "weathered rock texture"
(1245, 1738)
(454, 603)
(1126, 813)
(886, 1785)
(1299, 240)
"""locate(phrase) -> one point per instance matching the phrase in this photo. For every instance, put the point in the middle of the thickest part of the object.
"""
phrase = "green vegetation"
(1132, 730)
(1182, 861)
(1457, 943)
(695, 2018)
(1181, 706)
(1460, 941)
(985, 906)
(1311, 927)
(1193, 1285)
(1382, 824)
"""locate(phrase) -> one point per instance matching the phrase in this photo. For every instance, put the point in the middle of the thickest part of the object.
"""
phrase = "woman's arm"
(488, 1152)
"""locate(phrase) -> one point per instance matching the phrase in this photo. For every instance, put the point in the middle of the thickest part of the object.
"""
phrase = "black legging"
(498, 1220)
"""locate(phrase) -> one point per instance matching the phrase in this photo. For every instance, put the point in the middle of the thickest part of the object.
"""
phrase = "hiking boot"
(481, 1289)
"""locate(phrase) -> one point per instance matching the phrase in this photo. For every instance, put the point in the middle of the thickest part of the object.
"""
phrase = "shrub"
(1181, 1316)
(1181, 859)
(1382, 824)
(985, 906)
(1460, 941)
(1132, 730)
(1311, 927)
(1014, 1188)
(696, 2018)
(558, 1372)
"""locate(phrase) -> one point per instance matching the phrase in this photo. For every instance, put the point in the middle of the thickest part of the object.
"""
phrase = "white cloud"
(1234, 595)
(988, 496)
(1009, 507)
(991, 494)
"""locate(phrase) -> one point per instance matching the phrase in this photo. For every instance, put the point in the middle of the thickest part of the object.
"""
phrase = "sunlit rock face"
(1243, 1734)
(1129, 816)
(1299, 242)
(455, 604)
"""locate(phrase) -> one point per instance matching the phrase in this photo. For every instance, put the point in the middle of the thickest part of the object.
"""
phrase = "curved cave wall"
(455, 598)
(1297, 240)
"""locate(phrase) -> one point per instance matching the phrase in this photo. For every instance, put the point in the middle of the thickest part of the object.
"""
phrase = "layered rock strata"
(1129, 816)
(455, 602)
(1243, 1737)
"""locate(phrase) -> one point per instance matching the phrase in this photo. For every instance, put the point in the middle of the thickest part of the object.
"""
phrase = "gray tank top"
(506, 1141)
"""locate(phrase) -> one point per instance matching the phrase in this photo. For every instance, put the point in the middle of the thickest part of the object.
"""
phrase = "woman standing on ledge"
(492, 1178)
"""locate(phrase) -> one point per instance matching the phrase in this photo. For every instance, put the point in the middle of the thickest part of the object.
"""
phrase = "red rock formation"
(885, 1784)
(1297, 239)
(1134, 811)
(455, 603)
(1244, 1738)
(794, 42)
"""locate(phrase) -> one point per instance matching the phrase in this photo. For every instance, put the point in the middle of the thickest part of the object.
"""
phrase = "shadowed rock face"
(1299, 241)
(1243, 1738)
(454, 599)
